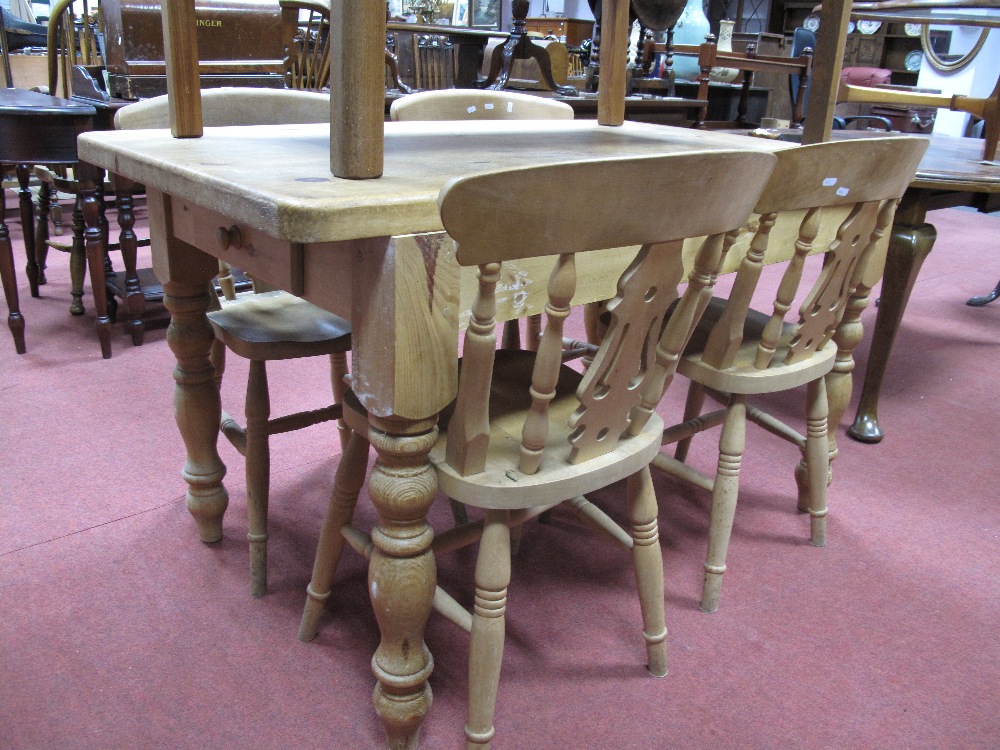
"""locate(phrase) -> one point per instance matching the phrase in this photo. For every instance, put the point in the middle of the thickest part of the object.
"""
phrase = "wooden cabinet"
(898, 46)
(572, 31)
(887, 47)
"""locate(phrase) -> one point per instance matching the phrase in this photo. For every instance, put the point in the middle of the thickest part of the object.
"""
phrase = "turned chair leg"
(459, 513)
(817, 459)
(648, 561)
(42, 230)
(692, 408)
(347, 484)
(724, 494)
(77, 261)
(258, 473)
(486, 648)
(338, 371)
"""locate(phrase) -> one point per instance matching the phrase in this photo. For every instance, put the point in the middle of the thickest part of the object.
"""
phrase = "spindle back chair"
(527, 432)
(737, 351)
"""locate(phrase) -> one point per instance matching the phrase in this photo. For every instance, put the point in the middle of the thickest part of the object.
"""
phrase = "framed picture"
(486, 13)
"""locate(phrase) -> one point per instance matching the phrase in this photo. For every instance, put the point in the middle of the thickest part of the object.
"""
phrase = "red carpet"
(121, 630)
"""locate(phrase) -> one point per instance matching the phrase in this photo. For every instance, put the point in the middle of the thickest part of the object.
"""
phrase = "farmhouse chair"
(738, 352)
(527, 432)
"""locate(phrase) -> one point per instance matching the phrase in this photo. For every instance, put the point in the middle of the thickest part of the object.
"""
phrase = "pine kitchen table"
(264, 199)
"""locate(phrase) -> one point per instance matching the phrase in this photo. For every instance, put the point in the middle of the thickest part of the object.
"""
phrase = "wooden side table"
(38, 129)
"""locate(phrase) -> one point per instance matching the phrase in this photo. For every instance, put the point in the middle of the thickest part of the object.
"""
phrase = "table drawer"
(255, 253)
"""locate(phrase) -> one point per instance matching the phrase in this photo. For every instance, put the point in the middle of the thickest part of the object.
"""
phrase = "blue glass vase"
(691, 28)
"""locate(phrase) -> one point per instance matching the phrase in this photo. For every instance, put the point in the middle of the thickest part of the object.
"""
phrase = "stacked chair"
(737, 352)
(526, 432)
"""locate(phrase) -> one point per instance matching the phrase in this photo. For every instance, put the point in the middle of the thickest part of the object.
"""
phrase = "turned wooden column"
(186, 273)
(404, 371)
(197, 408)
(15, 321)
(23, 172)
(402, 574)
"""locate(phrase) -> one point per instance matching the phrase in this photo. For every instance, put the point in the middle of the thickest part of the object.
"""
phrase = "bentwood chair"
(526, 432)
(264, 327)
(737, 352)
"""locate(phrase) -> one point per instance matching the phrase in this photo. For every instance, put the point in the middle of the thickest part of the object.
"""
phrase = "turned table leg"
(186, 273)
(197, 407)
(910, 242)
(402, 574)
(91, 181)
(15, 321)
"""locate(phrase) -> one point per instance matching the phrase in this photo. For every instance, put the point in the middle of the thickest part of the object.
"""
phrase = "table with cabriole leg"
(37, 129)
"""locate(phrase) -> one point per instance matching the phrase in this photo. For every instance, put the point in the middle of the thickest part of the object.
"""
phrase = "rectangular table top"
(277, 178)
(22, 102)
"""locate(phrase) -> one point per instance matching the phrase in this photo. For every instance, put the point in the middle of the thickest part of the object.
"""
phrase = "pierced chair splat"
(526, 432)
(737, 352)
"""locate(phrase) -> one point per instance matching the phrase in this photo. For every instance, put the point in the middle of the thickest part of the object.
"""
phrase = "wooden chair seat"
(741, 376)
(498, 486)
(277, 325)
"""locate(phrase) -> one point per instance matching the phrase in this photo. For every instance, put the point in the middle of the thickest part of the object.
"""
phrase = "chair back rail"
(472, 104)
(236, 106)
(435, 62)
(869, 175)
(491, 223)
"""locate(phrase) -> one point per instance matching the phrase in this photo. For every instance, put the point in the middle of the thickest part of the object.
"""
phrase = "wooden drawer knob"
(227, 238)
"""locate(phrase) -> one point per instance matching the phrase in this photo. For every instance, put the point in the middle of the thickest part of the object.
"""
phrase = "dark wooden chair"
(66, 48)
(435, 62)
(747, 63)
(737, 352)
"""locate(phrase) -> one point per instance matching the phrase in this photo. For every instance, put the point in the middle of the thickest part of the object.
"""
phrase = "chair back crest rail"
(475, 104)
(491, 222)
(870, 175)
(233, 106)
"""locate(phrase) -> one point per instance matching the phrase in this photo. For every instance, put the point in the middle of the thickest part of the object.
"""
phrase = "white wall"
(567, 8)
(977, 79)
